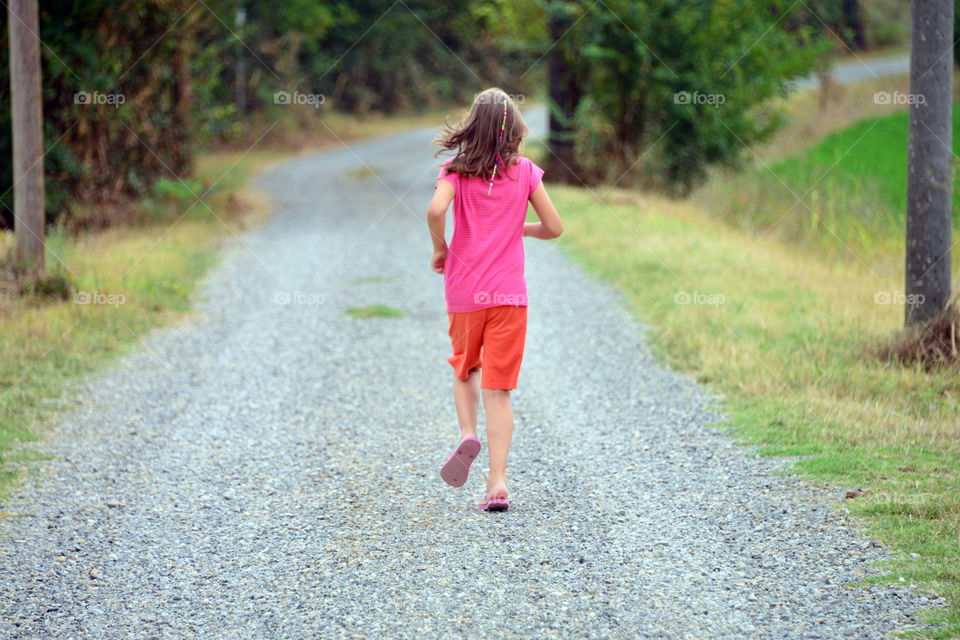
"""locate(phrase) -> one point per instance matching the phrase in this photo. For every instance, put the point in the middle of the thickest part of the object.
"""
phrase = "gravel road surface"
(269, 468)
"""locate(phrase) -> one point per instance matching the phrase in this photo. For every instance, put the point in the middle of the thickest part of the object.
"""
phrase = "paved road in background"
(858, 70)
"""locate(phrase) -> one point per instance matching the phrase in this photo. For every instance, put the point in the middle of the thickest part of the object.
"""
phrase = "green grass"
(871, 154)
(374, 280)
(362, 172)
(788, 337)
(375, 311)
(844, 196)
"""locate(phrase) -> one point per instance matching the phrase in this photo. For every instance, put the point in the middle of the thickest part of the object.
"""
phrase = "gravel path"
(270, 468)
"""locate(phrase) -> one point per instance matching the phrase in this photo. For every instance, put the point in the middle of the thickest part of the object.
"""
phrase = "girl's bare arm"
(550, 225)
(436, 222)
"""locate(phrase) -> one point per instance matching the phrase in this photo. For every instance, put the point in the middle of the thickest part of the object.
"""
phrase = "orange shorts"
(490, 340)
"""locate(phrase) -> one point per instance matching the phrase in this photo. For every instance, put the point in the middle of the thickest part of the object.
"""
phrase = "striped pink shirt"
(484, 265)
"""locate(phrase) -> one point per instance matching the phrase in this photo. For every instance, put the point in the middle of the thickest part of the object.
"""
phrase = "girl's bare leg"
(466, 395)
(496, 403)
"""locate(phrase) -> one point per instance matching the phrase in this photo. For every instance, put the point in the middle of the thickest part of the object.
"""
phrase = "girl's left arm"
(436, 222)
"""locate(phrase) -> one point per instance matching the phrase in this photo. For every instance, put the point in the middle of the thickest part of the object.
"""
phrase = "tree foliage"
(116, 98)
(190, 73)
(673, 86)
(175, 64)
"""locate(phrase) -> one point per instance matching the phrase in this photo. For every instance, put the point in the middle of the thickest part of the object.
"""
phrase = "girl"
(489, 183)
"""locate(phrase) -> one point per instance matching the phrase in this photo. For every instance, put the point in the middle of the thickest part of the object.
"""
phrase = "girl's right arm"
(550, 225)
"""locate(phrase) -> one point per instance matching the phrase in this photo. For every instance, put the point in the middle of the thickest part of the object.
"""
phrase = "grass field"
(843, 195)
(856, 179)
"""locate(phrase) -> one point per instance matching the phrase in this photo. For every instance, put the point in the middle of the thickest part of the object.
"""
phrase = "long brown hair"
(475, 137)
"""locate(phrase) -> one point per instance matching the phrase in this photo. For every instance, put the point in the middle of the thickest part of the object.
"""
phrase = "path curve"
(269, 469)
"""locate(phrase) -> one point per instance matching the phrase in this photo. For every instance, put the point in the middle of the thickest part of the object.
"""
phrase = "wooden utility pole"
(27, 121)
(929, 178)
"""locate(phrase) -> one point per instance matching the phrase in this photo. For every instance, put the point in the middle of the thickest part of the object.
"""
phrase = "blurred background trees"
(670, 87)
(194, 75)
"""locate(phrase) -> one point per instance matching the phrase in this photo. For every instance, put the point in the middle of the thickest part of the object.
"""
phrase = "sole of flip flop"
(457, 467)
(495, 505)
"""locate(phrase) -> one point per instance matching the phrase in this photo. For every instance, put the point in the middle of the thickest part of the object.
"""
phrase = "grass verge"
(845, 195)
(788, 338)
(374, 311)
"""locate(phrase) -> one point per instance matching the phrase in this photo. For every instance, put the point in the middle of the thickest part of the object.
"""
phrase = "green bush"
(184, 190)
(673, 86)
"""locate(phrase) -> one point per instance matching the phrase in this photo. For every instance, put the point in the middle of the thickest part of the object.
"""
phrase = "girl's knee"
(496, 395)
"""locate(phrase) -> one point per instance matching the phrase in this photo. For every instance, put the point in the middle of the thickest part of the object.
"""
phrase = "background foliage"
(198, 74)
(673, 86)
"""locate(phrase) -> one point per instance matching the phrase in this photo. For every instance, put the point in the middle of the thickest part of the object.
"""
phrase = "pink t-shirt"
(484, 266)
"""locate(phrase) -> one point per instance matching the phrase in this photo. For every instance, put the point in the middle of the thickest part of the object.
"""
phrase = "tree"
(854, 29)
(929, 176)
(565, 92)
(956, 29)
(670, 87)
(121, 80)
(27, 124)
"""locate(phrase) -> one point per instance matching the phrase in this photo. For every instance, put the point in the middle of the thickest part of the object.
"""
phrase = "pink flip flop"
(499, 502)
(455, 470)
